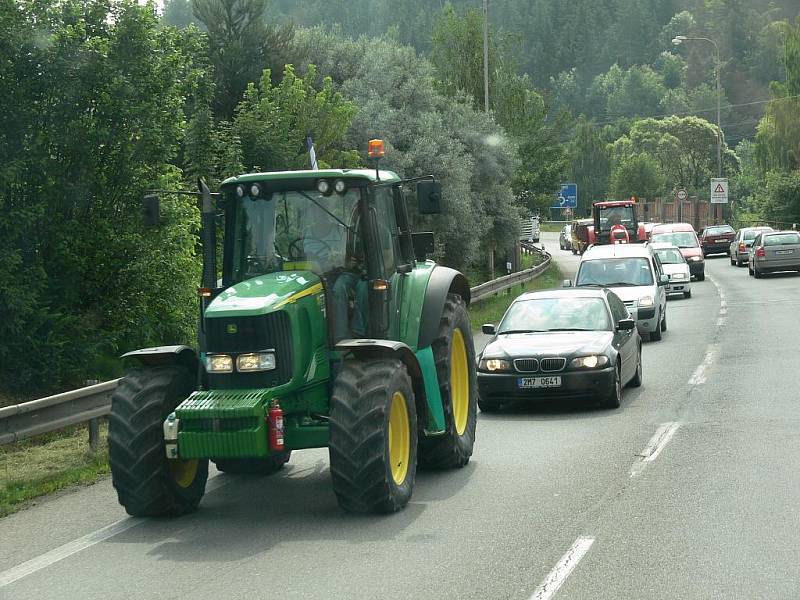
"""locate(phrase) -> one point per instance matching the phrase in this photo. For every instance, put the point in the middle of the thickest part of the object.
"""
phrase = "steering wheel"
(294, 250)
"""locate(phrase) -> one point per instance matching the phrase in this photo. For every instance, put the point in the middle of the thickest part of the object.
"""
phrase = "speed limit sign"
(681, 195)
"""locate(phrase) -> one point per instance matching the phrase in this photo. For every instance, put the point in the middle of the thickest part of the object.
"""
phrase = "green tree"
(778, 138)
(638, 175)
(273, 120)
(98, 117)
(241, 45)
(590, 164)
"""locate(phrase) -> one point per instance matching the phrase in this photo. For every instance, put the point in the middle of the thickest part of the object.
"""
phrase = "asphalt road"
(689, 490)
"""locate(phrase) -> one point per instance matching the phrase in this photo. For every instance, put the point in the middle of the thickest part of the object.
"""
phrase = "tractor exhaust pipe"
(208, 236)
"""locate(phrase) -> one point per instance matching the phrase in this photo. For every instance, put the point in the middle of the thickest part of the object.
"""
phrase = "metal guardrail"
(484, 290)
(28, 419)
(21, 421)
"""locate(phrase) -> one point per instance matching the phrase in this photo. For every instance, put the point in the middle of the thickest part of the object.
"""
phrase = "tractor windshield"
(616, 215)
(292, 230)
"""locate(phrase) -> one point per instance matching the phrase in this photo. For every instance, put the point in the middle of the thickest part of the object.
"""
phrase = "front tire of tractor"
(254, 466)
(147, 483)
(454, 355)
(373, 436)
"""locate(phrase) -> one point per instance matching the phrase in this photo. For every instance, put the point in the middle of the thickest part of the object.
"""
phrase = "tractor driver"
(340, 256)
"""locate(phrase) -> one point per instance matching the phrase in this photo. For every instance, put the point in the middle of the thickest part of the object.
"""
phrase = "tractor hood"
(264, 294)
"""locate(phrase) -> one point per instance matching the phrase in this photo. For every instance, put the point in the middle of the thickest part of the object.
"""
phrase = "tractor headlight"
(494, 364)
(255, 190)
(340, 186)
(593, 361)
(259, 361)
(219, 363)
(323, 187)
(240, 191)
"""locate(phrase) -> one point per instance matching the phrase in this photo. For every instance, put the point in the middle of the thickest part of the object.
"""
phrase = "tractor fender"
(443, 281)
(368, 348)
(160, 356)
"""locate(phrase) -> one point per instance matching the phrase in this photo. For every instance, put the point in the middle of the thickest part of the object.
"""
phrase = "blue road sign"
(567, 197)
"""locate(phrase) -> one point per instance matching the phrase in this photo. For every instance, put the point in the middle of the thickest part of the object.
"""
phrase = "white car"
(676, 267)
(634, 273)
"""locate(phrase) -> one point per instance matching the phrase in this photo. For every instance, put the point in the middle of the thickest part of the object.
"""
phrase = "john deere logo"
(232, 328)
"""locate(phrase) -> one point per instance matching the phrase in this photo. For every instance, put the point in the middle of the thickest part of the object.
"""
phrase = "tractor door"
(384, 289)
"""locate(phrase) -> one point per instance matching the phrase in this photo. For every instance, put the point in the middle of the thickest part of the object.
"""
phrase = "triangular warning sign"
(719, 189)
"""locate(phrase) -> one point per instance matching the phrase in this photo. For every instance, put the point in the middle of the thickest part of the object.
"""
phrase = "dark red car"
(716, 239)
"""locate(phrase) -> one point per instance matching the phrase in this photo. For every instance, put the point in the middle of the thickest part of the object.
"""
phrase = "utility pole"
(486, 55)
(486, 93)
(677, 41)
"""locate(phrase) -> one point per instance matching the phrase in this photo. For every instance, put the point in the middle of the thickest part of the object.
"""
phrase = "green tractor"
(329, 328)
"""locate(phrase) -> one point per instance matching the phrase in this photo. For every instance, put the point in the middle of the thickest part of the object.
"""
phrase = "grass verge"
(491, 309)
(47, 464)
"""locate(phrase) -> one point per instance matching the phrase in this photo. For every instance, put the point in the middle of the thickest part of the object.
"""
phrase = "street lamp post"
(677, 41)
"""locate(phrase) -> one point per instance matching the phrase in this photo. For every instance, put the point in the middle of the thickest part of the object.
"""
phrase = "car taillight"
(761, 253)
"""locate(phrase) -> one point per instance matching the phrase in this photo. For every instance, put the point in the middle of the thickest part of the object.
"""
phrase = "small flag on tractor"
(312, 153)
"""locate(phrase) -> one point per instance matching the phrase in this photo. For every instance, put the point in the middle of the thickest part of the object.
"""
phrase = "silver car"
(739, 250)
(676, 267)
(774, 251)
(634, 273)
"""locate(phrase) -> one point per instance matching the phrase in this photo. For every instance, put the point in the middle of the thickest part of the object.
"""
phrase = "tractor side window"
(386, 224)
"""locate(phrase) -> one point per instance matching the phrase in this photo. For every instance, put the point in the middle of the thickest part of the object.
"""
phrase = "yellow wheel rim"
(399, 438)
(459, 381)
(183, 471)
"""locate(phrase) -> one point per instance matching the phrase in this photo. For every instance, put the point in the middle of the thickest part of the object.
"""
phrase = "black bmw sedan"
(573, 343)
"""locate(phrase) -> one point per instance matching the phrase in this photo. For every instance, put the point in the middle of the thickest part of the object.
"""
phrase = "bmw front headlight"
(593, 361)
(494, 365)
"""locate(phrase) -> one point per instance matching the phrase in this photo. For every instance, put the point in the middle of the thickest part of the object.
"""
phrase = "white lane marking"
(87, 541)
(699, 375)
(563, 568)
(657, 443)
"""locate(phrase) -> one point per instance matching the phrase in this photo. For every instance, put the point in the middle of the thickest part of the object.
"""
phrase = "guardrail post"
(94, 433)
(94, 424)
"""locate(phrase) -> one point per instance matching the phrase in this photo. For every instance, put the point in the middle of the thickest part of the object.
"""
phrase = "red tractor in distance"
(616, 223)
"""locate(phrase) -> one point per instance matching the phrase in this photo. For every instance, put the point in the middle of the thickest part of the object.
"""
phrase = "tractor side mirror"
(429, 197)
(423, 244)
(151, 210)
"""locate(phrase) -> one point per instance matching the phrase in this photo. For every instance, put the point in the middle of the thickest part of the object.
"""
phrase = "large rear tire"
(149, 484)
(254, 466)
(454, 355)
(373, 436)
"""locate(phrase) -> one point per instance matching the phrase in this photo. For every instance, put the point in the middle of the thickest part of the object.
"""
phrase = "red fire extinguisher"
(275, 427)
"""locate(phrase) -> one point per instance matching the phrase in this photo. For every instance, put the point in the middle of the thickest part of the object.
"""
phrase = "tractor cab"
(616, 223)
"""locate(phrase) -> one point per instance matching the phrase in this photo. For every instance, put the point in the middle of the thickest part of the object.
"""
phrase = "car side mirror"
(151, 210)
(663, 280)
(567, 283)
(429, 197)
(626, 324)
(488, 329)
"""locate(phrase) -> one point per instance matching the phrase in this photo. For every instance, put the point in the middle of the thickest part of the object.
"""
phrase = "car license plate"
(539, 382)
(784, 252)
